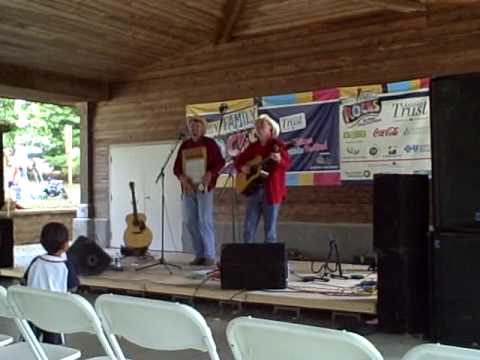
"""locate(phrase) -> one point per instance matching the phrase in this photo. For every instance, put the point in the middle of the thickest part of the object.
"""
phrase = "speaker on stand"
(455, 244)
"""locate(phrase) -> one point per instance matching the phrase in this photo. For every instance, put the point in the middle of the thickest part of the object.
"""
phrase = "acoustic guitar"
(137, 234)
(246, 184)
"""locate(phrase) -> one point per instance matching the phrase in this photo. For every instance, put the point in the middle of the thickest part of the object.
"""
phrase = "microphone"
(181, 135)
(223, 108)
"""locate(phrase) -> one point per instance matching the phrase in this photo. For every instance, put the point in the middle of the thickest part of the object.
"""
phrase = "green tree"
(8, 117)
(41, 125)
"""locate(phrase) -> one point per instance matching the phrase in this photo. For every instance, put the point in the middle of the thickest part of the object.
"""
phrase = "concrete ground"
(392, 347)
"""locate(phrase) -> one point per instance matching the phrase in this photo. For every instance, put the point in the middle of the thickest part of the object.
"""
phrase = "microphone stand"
(161, 176)
(230, 177)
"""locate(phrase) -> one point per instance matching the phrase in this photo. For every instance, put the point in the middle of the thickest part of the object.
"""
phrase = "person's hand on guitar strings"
(245, 169)
(275, 156)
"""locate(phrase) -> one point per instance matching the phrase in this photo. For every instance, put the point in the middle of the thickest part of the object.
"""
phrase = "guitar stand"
(160, 261)
(338, 263)
(137, 252)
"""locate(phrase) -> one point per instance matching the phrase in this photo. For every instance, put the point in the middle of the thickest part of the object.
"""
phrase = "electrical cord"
(203, 282)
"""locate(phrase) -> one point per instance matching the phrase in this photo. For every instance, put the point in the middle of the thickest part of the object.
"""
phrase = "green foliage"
(41, 125)
(8, 117)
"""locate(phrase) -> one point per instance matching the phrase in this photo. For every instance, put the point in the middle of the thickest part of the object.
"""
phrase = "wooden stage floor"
(335, 295)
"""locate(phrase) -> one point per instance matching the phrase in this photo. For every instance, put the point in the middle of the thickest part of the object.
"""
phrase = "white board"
(141, 163)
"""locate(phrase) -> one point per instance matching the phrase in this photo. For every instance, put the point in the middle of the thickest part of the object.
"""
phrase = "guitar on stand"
(137, 236)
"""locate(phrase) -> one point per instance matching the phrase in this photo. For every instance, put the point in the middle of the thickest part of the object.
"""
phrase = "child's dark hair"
(53, 237)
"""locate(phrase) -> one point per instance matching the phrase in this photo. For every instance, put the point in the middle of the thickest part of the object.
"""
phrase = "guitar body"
(134, 236)
(137, 235)
(246, 184)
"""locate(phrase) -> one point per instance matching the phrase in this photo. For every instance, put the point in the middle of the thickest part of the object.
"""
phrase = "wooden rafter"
(16, 81)
(405, 6)
(232, 11)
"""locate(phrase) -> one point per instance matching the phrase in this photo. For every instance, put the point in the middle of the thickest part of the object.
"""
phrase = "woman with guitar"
(267, 157)
(198, 194)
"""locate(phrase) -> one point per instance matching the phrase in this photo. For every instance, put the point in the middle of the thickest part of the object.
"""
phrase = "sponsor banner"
(388, 133)
(408, 85)
(313, 128)
(356, 131)
(232, 122)
(287, 99)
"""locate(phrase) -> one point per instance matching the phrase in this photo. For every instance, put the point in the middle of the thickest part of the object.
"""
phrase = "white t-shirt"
(50, 272)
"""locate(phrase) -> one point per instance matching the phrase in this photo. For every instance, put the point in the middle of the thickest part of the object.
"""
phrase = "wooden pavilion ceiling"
(106, 40)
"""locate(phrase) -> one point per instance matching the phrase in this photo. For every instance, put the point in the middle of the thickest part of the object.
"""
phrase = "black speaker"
(6, 243)
(402, 305)
(400, 227)
(455, 156)
(253, 266)
(400, 211)
(455, 310)
(88, 257)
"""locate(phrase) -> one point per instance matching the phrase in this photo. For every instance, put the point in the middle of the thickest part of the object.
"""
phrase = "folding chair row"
(161, 325)
(153, 324)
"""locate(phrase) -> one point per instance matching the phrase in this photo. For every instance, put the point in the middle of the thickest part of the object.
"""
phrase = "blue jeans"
(198, 221)
(256, 206)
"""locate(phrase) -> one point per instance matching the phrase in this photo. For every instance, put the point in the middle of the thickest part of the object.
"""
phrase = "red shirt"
(215, 161)
(275, 183)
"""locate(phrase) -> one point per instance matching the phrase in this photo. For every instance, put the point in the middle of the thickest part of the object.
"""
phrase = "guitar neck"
(134, 201)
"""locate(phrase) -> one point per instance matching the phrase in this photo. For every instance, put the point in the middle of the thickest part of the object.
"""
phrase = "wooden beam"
(232, 11)
(405, 6)
(36, 85)
(87, 116)
(449, 2)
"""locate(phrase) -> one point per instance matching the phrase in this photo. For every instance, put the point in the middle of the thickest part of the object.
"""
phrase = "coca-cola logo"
(390, 131)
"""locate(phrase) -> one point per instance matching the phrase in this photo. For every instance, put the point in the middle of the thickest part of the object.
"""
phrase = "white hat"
(273, 124)
(199, 119)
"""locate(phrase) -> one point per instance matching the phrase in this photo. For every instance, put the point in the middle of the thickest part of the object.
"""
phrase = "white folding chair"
(441, 352)
(154, 324)
(4, 339)
(251, 338)
(58, 313)
(29, 350)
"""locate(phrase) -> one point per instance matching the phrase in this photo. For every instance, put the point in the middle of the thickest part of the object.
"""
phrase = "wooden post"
(68, 151)
(87, 113)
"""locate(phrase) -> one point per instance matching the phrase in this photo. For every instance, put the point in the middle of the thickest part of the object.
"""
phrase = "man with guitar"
(198, 198)
(265, 198)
